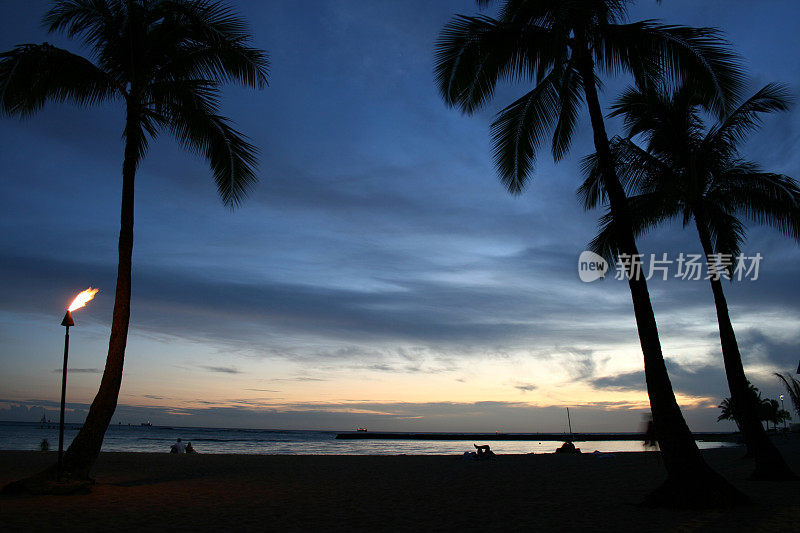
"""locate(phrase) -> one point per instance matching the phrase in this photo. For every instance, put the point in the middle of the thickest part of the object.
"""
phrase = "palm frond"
(570, 97)
(32, 74)
(191, 116)
(591, 192)
(765, 198)
(681, 54)
(747, 117)
(211, 42)
(519, 130)
(726, 231)
(604, 243)
(473, 53)
(96, 22)
(615, 52)
(792, 389)
(645, 211)
(638, 171)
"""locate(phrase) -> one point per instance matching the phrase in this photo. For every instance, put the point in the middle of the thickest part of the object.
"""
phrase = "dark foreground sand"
(138, 491)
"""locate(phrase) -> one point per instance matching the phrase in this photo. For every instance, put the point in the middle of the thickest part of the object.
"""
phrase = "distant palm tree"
(562, 47)
(792, 389)
(771, 412)
(768, 410)
(728, 412)
(164, 61)
(694, 174)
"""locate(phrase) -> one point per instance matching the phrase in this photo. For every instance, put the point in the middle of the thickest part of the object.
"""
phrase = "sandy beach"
(305, 493)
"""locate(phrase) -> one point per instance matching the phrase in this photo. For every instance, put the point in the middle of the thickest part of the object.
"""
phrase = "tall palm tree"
(698, 176)
(164, 61)
(561, 47)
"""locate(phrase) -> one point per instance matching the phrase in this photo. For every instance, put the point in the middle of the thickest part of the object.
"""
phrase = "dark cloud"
(693, 380)
(755, 346)
(526, 387)
(221, 369)
(485, 416)
(299, 378)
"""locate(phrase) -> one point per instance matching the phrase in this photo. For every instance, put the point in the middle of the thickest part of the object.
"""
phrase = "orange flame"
(81, 299)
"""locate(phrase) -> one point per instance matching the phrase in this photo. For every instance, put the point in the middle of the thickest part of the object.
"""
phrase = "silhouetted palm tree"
(561, 47)
(728, 412)
(164, 61)
(767, 409)
(771, 412)
(696, 175)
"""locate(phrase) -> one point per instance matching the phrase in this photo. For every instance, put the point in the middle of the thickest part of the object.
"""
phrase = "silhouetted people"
(650, 438)
(568, 447)
(190, 448)
(484, 452)
(178, 447)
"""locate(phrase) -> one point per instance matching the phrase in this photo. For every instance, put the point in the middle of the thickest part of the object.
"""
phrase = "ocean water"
(119, 438)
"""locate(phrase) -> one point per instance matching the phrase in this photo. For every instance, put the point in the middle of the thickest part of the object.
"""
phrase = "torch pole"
(67, 322)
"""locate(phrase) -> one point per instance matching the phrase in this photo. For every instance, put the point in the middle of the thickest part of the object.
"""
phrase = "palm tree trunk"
(690, 481)
(769, 462)
(85, 448)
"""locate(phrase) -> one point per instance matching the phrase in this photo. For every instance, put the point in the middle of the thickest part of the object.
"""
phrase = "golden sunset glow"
(81, 299)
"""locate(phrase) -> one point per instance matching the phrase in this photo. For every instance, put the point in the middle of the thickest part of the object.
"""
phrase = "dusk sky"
(378, 275)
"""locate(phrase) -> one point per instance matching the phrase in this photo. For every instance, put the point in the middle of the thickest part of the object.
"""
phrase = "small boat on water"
(361, 429)
(147, 424)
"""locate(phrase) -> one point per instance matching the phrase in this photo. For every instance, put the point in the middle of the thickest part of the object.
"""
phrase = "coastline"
(334, 492)
(555, 437)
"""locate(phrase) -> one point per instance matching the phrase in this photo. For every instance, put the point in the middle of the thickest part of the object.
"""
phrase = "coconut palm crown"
(543, 42)
(678, 169)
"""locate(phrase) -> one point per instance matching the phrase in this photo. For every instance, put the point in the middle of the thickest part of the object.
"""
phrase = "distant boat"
(361, 429)
(147, 424)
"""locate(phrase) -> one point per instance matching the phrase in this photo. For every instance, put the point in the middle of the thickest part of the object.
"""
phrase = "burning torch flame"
(81, 299)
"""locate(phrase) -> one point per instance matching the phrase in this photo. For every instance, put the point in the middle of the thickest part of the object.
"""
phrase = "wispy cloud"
(299, 378)
(221, 369)
(79, 371)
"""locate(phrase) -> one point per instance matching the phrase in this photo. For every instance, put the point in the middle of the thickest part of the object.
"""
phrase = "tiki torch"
(79, 301)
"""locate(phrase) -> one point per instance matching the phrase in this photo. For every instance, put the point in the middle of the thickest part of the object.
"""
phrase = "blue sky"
(378, 275)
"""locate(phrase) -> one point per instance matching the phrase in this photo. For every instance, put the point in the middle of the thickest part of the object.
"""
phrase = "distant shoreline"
(583, 437)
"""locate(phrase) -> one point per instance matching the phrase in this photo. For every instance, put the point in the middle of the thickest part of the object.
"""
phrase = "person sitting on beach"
(190, 448)
(484, 452)
(568, 447)
(178, 447)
